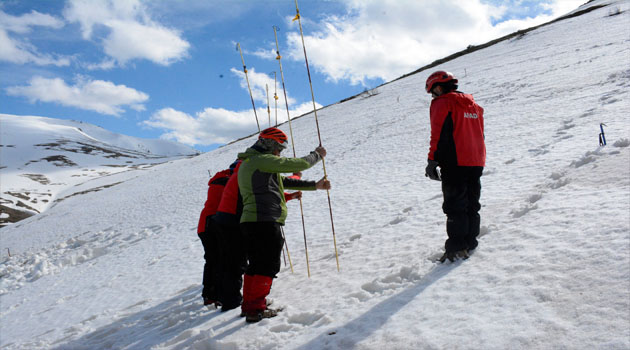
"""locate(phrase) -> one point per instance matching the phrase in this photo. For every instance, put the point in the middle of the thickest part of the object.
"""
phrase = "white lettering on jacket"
(470, 115)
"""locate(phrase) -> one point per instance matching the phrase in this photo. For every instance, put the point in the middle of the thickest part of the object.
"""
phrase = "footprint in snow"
(518, 213)
(622, 143)
(397, 220)
(354, 237)
(484, 230)
(534, 198)
(559, 183)
(360, 295)
(309, 318)
(282, 328)
(589, 157)
(406, 274)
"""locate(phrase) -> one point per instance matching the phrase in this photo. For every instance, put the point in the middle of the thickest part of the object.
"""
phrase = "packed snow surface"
(121, 268)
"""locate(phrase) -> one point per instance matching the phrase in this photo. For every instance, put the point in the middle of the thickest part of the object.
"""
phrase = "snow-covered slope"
(121, 268)
(43, 160)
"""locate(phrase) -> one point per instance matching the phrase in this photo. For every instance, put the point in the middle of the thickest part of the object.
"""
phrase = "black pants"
(232, 264)
(264, 247)
(211, 256)
(461, 187)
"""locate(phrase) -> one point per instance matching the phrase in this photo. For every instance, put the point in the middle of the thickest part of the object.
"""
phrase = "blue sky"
(170, 69)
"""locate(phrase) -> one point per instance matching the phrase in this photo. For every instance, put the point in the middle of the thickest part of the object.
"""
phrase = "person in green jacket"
(264, 211)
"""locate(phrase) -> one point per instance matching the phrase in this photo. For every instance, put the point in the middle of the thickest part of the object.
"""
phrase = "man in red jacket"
(232, 257)
(458, 148)
(207, 232)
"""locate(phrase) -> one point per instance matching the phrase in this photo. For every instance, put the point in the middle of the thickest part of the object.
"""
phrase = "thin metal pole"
(248, 87)
(297, 16)
(279, 58)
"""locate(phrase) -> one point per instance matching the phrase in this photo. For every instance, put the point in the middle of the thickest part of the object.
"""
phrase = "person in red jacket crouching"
(207, 232)
(458, 148)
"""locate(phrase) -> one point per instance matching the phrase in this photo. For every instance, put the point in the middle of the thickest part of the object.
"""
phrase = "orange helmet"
(276, 135)
(439, 77)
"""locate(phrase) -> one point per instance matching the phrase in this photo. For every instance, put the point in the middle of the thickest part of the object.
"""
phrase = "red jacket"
(231, 204)
(215, 190)
(457, 136)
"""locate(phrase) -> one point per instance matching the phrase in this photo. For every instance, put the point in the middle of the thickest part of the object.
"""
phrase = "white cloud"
(258, 83)
(212, 125)
(20, 51)
(562, 7)
(132, 40)
(104, 65)
(22, 24)
(267, 54)
(96, 95)
(387, 38)
(131, 33)
(216, 125)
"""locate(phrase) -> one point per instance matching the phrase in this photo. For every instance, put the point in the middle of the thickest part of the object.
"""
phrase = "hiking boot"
(452, 256)
(462, 254)
(228, 307)
(257, 316)
(447, 255)
(210, 303)
(268, 301)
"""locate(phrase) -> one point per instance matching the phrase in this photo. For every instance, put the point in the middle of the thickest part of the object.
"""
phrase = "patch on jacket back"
(471, 115)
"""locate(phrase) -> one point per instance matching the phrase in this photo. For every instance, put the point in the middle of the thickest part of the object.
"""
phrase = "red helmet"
(439, 77)
(276, 135)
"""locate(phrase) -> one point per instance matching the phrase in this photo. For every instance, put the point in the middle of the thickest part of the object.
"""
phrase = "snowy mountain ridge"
(43, 160)
(121, 268)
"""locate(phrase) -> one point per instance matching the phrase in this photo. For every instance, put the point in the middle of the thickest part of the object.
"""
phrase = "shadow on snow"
(147, 328)
(353, 332)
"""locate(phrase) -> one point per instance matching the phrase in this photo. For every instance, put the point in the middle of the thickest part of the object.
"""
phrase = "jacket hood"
(258, 148)
(220, 174)
(250, 152)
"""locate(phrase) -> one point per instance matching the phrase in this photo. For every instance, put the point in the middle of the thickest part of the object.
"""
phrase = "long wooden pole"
(248, 87)
(318, 131)
(287, 247)
(268, 110)
(275, 94)
(279, 58)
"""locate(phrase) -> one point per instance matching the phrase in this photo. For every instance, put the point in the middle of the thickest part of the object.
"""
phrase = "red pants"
(255, 289)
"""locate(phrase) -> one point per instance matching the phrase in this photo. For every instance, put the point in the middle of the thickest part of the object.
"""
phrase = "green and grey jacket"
(262, 186)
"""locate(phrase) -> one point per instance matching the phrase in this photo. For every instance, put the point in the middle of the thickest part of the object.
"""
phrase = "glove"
(294, 195)
(432, 172)
(321, 151)
(323, 184)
